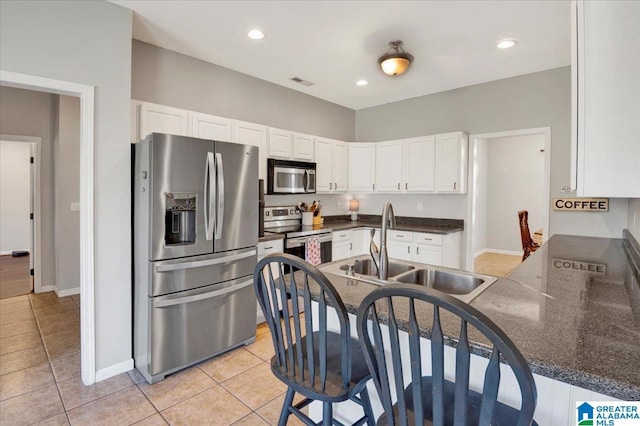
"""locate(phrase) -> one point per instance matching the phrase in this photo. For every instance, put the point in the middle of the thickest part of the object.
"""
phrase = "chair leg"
(366, 406)
(288, 400)
(327, 414)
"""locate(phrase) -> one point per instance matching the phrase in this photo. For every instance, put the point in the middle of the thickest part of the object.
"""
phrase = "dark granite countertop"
(413, 224)
(270, 237)
(571, 309)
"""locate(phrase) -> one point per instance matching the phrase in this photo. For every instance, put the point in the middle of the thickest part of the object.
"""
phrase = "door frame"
(87, 226)
(473, 165)
(35, 243)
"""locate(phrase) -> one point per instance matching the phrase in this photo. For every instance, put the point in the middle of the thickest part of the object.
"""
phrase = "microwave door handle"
(220, 196)
(305, 180)
(208, 197)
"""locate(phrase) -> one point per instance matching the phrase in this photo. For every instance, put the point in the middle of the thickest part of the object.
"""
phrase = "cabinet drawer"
(269, 247)
(341, 236)
(393, 235)
(431, 239)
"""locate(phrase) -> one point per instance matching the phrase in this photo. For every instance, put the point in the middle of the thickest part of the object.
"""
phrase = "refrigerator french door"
(195, 235)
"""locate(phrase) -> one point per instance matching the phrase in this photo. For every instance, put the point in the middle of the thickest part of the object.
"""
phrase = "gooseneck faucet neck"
(388, 222)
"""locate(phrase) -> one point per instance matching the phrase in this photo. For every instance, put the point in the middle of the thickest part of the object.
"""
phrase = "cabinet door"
(431, 255)
(207, 126)
(360, 241)
(451, 159)
(389, 166)
(162, 119)
(279, 143)
(340, 250)
(361, 166)
(399, 249)
(340, 165)
(324, 178)
(303, 147)
(419, 156)
(256, 135)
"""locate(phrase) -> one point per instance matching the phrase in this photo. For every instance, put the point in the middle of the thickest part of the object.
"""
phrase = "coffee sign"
(577, 265)
(581, 204)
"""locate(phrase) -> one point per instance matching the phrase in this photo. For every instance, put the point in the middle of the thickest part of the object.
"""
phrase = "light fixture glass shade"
(354, 206)
(396, 61)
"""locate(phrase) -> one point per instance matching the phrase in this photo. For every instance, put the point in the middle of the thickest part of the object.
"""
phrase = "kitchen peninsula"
(573, 310)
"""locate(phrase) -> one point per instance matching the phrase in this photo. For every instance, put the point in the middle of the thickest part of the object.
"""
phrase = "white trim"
(67, 292)
(260, 317)
(471, 206)
(47, 288)
(87, 259)
(114, 370)
(499, 251)
(480, 252)
(36, 250)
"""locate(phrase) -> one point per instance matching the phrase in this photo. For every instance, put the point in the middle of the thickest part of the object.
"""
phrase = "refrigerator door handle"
(197, 297)
(209, 196)
(220, 196)
(202, 263)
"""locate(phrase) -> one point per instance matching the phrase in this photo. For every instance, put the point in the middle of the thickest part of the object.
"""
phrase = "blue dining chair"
(430, 398)
(311, 360)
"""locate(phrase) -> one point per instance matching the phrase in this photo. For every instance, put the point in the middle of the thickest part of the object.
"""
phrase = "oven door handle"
(300, 241)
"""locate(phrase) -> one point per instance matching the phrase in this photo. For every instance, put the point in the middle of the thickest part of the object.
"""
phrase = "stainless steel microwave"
(290, 177)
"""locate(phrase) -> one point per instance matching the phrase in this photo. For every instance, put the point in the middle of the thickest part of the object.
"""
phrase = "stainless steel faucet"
(388, 222)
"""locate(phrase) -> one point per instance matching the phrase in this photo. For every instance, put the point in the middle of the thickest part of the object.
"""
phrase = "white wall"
(479, 226)
(67, 190)
(90, 43)
(634, 214)
(515, 182)
(15, 196)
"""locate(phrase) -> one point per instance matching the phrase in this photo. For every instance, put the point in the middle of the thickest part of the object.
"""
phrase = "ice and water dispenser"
(180, 218)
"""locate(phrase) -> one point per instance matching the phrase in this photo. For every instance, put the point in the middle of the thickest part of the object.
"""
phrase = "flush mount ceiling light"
(506, 43)
(256, 34)
(396, 61)
(362, 82)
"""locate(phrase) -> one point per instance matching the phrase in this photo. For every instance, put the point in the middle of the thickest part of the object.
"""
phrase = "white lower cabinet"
(341, 245)
(266, 248)
(399, 244)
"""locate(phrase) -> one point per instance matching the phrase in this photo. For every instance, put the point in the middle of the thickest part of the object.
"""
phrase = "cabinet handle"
(406, 186)
(350, 246)
(454, 185)
(427, 239)
(417, 250)
(373, 186)
(409, 249)
(343, 235)
(398, 186)
(268, 248)
(335, 185)
(329, 186)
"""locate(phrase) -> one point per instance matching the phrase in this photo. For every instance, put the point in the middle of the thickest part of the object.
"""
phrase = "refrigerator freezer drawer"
(171, 276)
(190, 326)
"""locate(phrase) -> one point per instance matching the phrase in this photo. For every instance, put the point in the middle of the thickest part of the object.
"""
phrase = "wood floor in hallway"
(496, 264)
(14, 276)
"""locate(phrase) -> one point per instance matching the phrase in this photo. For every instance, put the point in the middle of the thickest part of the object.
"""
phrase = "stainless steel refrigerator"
(195, 231)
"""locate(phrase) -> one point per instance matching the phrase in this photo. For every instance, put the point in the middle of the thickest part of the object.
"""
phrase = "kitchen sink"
(448, 282)
(368, 267)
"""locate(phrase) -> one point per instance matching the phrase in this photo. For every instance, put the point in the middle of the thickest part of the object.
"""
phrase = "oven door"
(295, 246)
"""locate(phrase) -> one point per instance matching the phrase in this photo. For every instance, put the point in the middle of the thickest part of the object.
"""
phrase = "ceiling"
(335, 43)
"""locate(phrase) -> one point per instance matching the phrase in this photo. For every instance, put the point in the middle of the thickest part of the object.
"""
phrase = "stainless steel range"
(287, 221)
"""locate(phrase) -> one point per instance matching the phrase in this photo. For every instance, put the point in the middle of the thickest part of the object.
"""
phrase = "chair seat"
(335, 390)
(505, 415)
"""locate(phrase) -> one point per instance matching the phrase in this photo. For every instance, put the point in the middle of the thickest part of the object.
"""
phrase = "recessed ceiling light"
(362, 82)
(506, 43)
(256, 34)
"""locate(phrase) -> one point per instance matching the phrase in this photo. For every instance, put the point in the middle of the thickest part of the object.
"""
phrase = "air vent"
(303, 82)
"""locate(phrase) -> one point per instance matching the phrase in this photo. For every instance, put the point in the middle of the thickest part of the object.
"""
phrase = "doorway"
(510, 171)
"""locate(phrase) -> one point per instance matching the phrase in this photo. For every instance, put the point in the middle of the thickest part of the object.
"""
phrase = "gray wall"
(634, 211)
(67, 190)
(28, 113)
(89, 43)
(540, 99)
(169, 78)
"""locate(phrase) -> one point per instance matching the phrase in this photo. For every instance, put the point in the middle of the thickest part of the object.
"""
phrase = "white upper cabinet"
(451, 162)
(303, 147)
(280, 143)
(606, 99)
(419, 159)
(256, 135)
(331, 165)
(212, 127)
(362, 167)
(162, 119)
(389, 166)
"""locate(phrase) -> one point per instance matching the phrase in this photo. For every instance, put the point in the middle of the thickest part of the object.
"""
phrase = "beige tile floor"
(498, 265)
(40, 378)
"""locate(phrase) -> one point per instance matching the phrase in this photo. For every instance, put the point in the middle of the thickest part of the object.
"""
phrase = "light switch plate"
(75, 206)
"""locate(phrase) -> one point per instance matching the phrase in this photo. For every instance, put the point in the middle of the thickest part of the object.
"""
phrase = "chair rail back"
(302, 361)
(384, 359)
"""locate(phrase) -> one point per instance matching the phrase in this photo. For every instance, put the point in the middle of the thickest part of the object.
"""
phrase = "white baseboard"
(480, 252)
(260, 317)
(46, 289)
(114, 370)
(498, 251)
(68, 292)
